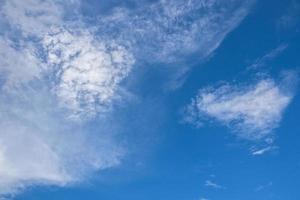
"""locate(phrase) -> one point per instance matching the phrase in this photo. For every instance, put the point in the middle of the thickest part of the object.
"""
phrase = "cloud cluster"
(251, 111)
(52, 67)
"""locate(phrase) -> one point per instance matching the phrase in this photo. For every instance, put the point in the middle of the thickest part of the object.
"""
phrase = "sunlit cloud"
(252, 111)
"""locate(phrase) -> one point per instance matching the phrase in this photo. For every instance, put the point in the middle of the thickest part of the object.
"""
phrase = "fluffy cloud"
(252, 112)
(89, 71)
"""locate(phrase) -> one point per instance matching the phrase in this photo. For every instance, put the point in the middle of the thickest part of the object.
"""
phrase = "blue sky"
(149, 99)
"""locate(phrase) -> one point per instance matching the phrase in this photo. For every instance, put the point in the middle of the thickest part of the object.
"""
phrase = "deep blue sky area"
(242, 145)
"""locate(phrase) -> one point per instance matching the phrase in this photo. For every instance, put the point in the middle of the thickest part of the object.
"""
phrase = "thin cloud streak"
(260, 62)
(262, 151)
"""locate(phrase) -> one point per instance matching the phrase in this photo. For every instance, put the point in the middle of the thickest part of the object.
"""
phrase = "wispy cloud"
(257, 152)
(251, 112)
(211, 184)
(168, 29)
(263, 187)
(260, 62)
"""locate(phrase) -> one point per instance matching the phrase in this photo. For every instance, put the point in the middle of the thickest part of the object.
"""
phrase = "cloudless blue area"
(176, 159)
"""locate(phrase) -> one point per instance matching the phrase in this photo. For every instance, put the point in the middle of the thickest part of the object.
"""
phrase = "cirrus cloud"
(167, 30)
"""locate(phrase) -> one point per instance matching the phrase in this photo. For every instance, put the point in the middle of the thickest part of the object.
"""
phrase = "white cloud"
(89, 71)
(251, 111)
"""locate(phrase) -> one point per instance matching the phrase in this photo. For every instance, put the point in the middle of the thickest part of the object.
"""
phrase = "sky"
(149, 99)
